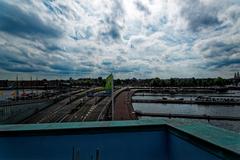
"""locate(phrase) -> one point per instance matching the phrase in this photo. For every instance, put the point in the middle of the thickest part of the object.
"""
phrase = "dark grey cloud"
(113, 28)
(218, 49)
(222, 63)
(143, 38)
(126, 69)
(24, 63)
(198, 15)
(220, 53)
(13, 63)
(16, 59)
(68, 69)
(61, 67)
(112, 34)
(141, 7)
(107, 63)
(18, 68)
(14, 20)
(7, 57)
(56, 10)
(86, 33)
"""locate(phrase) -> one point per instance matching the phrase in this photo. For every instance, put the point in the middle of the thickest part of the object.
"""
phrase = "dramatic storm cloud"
(130, 38)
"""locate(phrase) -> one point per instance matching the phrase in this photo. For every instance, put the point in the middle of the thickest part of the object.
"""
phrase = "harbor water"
(192, 109)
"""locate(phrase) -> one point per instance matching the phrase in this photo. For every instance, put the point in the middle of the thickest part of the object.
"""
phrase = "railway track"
(97, 109)
(83, 108)
(62, 112)
(83, 111)
(58, 110)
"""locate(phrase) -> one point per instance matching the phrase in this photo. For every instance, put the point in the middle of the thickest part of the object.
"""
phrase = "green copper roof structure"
(223, 143)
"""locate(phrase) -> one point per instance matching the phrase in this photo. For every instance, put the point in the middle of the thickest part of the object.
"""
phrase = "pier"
(178, 101)
(123, 106)
(188, 116)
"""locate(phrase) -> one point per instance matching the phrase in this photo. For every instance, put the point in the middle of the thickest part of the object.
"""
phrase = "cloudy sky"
(130, 38)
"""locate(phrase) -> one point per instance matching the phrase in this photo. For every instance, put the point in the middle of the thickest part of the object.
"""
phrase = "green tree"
(155, 82)
(219, 81)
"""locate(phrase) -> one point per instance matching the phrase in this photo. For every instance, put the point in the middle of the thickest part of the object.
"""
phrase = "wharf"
(169, 115)
(178, 101)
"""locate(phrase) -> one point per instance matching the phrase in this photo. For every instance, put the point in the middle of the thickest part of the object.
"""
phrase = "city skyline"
(143, 39)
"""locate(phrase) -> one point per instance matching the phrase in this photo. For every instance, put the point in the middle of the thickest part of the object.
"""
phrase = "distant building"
(237, 79)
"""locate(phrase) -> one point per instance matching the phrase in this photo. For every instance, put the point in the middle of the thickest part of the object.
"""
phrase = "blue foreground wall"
(118, 146)
(110, 142)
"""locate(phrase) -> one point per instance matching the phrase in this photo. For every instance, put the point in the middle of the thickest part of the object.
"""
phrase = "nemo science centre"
(118, 140)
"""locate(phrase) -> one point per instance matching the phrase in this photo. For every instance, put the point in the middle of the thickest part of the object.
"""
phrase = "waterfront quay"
(206, 101)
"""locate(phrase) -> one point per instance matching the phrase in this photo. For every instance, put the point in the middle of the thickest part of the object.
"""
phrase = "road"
(83, 111)
(123, 109)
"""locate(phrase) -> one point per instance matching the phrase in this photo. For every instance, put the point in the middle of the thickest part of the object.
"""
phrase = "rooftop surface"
(221, 142)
